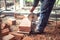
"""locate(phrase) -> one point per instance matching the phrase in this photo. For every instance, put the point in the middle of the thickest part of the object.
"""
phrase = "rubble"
(52, 31)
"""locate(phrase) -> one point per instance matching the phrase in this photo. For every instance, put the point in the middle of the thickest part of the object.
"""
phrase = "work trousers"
(46, 8)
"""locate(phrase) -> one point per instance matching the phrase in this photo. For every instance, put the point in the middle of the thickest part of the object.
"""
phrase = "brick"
(3, 25)
(5, 31)
(11, 21)
(18, 16)
(18, 36)
(14, 28)
(25, 25)
(8, 37)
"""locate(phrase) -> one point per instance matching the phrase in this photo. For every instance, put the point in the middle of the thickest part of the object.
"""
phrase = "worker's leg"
(46, 8)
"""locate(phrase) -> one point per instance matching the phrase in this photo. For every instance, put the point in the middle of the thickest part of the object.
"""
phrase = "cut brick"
(11, 21)
(17, 35)
(5, 31)
(3, 25)
(25, 25)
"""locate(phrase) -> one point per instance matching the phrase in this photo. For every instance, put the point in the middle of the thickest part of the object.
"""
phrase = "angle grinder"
(32, 17)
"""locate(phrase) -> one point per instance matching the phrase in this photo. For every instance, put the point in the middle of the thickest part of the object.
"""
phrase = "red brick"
(11, 22)
(18, 36)
(19, 16)
(3, 25)
(5, 31)
(8, 37)
(25, 25)
(25, 29)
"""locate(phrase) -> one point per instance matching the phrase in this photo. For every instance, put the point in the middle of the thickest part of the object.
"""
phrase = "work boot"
(36, 31)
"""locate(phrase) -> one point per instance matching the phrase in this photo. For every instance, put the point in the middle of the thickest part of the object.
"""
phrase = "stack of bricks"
(5, 29)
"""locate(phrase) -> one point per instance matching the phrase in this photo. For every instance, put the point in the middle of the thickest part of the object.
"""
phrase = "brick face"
(18, 36)
(25, 25)
(11, 22)
(5, 29)
(25, 29)
(17, 16)
(3, 25)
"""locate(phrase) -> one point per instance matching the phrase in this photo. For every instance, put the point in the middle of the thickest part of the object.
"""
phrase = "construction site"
(16, 22)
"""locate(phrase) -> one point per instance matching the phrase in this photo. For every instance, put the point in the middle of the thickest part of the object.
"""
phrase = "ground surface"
(51, 32)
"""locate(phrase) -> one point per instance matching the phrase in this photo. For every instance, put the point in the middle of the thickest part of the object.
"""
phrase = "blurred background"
(23, 7)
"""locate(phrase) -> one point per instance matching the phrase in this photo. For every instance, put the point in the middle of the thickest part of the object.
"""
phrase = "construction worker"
(46, 8)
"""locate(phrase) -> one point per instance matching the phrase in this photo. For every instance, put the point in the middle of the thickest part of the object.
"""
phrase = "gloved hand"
(32, 9)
